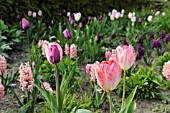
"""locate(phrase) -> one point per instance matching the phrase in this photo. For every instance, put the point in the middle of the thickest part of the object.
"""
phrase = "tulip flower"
(71, 22)
(53, 52)
(101, 17)
(34, 14)
(67, 34)
(113, 35)
(77, 16)
(125, 42)
(167, 37)
(140, 20)
(29, 13)
(39, 13)
(80, 25)
(125, 56)
(89, 18)
(151, 34)
(25, 24)
(108, 74)
(162, 34)
(99, 37)
(150, 18)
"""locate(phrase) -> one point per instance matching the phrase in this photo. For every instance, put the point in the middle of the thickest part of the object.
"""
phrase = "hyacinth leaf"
(128, 105)
(15, 95)
(24, 108)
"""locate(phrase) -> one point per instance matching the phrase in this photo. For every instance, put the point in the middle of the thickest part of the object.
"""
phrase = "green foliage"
(162, 59)
(83, 102)
(8, 38)
(149, 83)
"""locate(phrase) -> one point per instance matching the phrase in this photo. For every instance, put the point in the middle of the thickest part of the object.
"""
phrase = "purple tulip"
(167, 37)
(151, 35)
(99, 37)
(64, 11)
(89, 18)
(70, 18)
(113, 35)
(67, 34)
(25, 24)
(141, 40)
(162, 34)
(80, 25)
(156, 44)
(101, 17)
(140, 20)
(54, 54)
(72, 22)
(64, 23)
(141, 51)
(125, 42)
(18, 17)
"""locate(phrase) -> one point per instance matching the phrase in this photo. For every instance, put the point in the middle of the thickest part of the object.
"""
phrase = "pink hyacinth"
(66, 49)
(73, 51)
(92, 72)
(88, 68)
(1, 91)
(3, 66)
(113, 55)
(26, 77)
(44, 44)
(108, 54)
(166, 70)
(47, 87)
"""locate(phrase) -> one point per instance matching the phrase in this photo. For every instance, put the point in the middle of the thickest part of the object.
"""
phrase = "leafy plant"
(149, 83)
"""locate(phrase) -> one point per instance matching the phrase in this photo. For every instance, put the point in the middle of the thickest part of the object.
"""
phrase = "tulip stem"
(124, 88)
(57, 88)
(110, 102)
(28, 46)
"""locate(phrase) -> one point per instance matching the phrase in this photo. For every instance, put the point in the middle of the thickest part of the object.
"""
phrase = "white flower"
(133, 13)
(121, 15)
(77, 16)
(39, 13)
(114, 11)
(112, 17)
(34, 14)
(122, 11)
(165, 0)
(163, 13)
(157, 13)
(109, 14)
(150, 18)
(133, 18)
(130, 15)
(117, 15)
(68, 14)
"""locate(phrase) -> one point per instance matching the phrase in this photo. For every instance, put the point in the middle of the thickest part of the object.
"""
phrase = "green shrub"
(149, 83)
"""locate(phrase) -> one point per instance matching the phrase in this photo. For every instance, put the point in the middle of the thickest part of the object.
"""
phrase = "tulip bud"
(151, 34)
(25, 24)
(77, 16)
(80, 25)
(162, 34)
(125, 42)
(113, 35)
(34, 14)
(167, 37)
(141, 40)
(54, 54)
(101, 17)
(67, 34)
(29, 13)
(99, 37)
(89, 18)
(72, 22)
(39, 13)
(140, 20)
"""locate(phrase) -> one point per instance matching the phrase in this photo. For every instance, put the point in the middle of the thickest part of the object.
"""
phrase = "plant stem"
(57, 88)
(28, 45)
(110, 102)
(124, 88)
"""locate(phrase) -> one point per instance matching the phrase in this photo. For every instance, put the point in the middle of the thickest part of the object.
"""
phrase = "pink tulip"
(53, 52)
(108, 74)
(125, 56)
(25, 24)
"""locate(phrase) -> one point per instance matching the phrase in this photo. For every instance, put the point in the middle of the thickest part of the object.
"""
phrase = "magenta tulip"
(25, 24)
(53, 52)
(108, 74)
(125, 56)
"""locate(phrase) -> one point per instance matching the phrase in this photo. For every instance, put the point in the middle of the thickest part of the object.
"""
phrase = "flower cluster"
(116, 14)
(26, 77)
(3, 66)
(166, 70)
(1, 91)
(34, 14)
(72, 50)
(132, 16)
